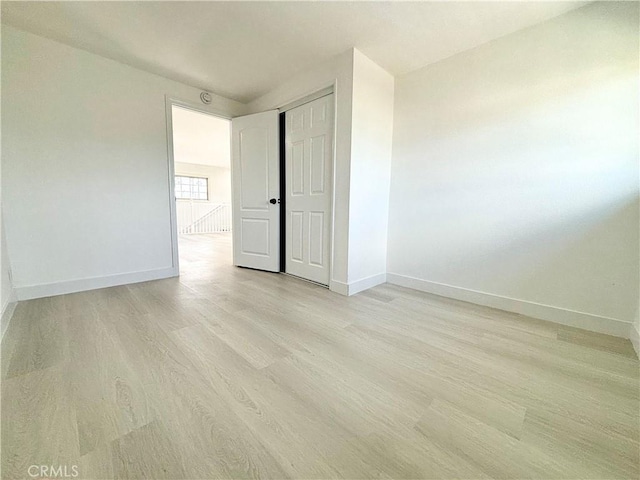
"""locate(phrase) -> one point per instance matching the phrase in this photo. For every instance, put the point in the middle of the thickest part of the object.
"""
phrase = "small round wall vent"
(205, 97)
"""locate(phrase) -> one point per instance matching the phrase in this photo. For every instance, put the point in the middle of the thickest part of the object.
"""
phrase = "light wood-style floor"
(234, 373)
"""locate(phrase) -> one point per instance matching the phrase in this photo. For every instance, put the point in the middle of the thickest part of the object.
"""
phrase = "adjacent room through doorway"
(202, 169)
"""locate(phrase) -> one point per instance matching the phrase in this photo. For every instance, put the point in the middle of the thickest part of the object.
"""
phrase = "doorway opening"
(201, 145)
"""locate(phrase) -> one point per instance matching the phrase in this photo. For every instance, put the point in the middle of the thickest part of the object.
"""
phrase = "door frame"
(290, 105)
(173, 218)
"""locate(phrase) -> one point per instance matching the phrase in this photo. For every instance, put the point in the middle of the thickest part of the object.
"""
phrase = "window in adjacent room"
(192, 188)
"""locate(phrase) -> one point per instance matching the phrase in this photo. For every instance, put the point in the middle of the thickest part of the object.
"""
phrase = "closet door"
(308, 164)
(256, 191)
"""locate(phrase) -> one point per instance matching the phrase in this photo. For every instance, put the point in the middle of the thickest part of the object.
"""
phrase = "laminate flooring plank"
(257, 348)
(38, 421)
(39, 341)
(514, 381)
(496, 454)
(97, 464)
(605, 454)
(211, 441)
(597, 341)
(294, 434)
(147, 452)
(108, 396)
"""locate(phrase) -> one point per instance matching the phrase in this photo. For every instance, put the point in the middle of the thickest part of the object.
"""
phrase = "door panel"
(308, 163)
(317, 162)
(256, 180)
(297, 236)
(316, 230)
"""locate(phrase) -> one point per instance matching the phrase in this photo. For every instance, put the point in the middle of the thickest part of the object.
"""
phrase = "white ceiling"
(201, 139)
(244, 49)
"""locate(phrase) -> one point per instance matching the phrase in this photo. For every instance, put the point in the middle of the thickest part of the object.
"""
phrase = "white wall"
(200, 138)
(338, 71)
(371, 138)
(84, 158)
(515, 172)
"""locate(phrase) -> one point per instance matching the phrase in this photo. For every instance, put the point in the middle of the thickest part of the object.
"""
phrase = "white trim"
(72, 286)
(634, 336)
(339, 287)
(358, 286)
(307, 99)
(367, 283)
(171, 169)
(322, 87)
(7, 315)
(563, 316)
(206, 109)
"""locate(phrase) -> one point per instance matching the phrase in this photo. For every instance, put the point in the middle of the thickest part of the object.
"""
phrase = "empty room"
(320, 240)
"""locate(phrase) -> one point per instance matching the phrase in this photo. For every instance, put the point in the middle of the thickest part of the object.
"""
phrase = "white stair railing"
(216, 219)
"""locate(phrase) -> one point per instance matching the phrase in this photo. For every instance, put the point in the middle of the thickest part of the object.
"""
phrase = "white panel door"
(256, 187)
(308, 163)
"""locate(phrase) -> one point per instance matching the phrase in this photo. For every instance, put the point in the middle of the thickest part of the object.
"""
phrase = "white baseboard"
(587, 321)
(339, 287)
(367, 283)
(634, 336)
(72, 286)
(352, 288)
(7, 314)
